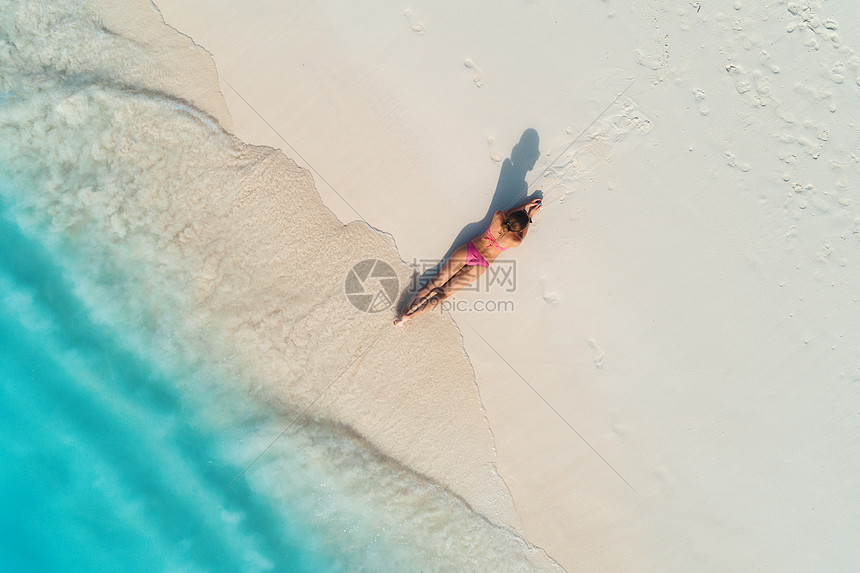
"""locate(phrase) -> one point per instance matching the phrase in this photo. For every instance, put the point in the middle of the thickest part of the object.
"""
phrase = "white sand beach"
(676, 385)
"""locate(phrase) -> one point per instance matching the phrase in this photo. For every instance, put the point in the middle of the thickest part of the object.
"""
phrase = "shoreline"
(677, 257)
(481, 494)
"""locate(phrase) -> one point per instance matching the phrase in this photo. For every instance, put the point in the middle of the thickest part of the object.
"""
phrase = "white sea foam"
(219, 258)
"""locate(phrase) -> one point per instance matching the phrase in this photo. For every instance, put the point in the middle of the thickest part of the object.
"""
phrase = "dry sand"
(677, 387)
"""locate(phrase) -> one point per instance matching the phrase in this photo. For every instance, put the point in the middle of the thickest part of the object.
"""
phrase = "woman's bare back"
(507, 239)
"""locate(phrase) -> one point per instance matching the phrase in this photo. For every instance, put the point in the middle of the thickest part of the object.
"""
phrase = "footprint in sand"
(811, 148)
(478, 76)
(818, 96)
(612, 129)
(549, 296)
(821, 134)
(553, 190)
(835, 74)
(654, 63)
(700, 101)
(416, 27)
(811, 43)
(762, 83)
(731, 161)
(494, 157)
(826, 29)
(765, 61)
(600, 357)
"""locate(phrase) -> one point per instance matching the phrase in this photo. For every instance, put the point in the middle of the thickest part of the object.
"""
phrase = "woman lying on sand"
(469, 261)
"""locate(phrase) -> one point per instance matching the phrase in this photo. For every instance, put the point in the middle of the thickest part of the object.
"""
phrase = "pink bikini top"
(494, 242)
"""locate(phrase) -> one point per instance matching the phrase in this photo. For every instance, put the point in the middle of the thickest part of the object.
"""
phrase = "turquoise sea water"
(105, 467)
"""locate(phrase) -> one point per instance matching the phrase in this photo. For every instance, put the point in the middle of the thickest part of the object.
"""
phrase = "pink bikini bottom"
(474, 256)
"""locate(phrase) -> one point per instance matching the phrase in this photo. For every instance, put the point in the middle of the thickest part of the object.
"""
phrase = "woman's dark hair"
(517, 221)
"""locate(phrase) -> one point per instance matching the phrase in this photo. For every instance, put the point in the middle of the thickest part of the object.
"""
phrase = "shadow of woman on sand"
(511, 190)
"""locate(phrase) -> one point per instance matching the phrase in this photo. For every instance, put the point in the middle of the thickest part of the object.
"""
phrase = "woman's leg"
(452, 266)
(464, 276)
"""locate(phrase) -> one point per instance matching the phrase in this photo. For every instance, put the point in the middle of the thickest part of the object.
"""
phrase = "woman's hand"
(530, 207)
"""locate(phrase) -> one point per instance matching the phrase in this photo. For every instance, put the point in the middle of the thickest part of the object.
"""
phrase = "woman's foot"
(400, 320)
